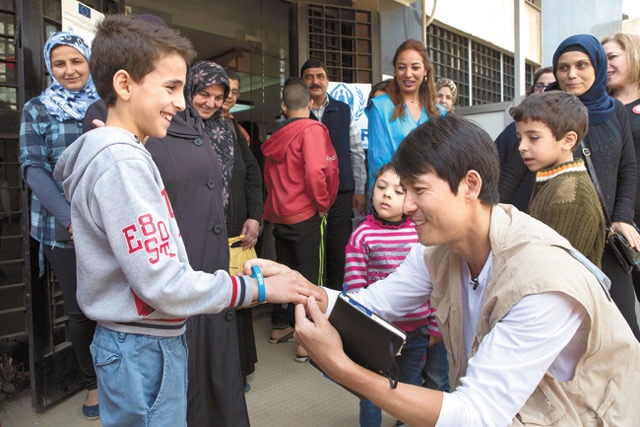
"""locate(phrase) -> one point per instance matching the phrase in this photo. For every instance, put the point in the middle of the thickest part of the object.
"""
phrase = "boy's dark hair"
(450, 146)
(295, 94)
(313, 63)
(560, 111)
(133, 45)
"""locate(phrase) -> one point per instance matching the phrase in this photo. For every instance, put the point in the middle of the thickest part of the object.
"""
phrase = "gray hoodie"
(133, 271)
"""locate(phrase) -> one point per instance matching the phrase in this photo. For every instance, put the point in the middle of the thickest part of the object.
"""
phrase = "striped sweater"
(375, 249)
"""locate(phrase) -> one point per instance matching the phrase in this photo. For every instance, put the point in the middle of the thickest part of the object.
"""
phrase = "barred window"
(449, 53)
(489, 78)
(341, 38)
(486, 75)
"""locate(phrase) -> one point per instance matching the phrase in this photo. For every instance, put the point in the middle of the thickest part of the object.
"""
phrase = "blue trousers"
(142, 379)
(436, 369)
(410, 362)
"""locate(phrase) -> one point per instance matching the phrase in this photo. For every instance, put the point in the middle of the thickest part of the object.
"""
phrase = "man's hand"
(269, 268)
(250, 231)
(629, 233)
(320, 339)
(359, 202)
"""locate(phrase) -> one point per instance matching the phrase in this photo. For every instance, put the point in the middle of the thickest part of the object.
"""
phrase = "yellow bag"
(237, 255)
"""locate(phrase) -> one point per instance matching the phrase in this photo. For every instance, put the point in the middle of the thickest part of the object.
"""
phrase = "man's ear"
(284, 109)
(569, 141)
(473, 183)
(122, 84)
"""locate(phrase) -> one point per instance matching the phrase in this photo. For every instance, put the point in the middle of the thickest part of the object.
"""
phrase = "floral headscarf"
(59, 101)
(201, 75)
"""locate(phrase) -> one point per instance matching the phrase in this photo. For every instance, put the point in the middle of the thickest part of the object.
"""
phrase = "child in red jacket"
(301, 176)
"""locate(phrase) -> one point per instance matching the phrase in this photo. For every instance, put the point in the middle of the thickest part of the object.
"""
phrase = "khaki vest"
(606, 384)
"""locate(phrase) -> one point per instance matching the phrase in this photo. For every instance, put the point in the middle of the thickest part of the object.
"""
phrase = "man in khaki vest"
(532, 334)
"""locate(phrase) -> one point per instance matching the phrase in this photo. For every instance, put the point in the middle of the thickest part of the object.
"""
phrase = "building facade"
(264, 41)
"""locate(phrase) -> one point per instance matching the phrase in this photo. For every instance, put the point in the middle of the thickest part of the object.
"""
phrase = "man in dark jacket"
(337, 117)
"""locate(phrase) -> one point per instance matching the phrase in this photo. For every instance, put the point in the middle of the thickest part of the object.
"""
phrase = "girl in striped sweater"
(375, 249)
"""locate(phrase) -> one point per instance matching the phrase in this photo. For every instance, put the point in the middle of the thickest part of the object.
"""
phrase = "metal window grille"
(12, 288)
(486, 74)
(449, 53)
(342, 39)
(483, 74)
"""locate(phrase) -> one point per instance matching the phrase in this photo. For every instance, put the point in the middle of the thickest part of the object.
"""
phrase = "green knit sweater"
(565, 199)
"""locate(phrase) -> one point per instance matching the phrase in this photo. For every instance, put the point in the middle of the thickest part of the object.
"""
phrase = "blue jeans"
(142, 379)
(410, 362)
(436, 369)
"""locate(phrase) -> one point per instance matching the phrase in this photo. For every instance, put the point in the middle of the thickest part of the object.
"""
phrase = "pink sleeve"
(356, 261)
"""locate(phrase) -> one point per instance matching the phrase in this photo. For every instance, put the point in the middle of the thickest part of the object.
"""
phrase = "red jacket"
(300, 172)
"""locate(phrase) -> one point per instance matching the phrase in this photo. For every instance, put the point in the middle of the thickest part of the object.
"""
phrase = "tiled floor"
(283, 393)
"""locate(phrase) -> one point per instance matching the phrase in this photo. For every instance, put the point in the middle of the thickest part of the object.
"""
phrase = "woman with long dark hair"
(410, 100)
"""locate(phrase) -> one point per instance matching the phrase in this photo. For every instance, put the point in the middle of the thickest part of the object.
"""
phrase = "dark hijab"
(200, 76)
(596, 99)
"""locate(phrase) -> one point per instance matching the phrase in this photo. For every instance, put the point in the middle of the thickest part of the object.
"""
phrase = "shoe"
(301, 358)
(247, 388)
(91, 412)
(286, 338)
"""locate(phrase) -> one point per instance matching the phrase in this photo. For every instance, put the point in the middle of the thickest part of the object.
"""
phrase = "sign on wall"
(355, 95)
(80, 19)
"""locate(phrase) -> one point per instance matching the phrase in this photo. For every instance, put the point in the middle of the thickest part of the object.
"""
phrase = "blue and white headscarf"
(59, 101)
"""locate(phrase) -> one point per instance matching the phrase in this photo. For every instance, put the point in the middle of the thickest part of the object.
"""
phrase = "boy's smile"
(157, 97)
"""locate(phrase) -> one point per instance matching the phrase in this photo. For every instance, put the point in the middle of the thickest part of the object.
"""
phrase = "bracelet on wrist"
(257, 274)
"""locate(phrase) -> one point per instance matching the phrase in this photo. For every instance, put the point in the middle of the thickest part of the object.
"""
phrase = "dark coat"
(246, 186)
(191, 174)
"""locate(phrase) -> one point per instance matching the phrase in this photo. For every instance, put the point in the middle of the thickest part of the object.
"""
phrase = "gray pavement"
(283, 393)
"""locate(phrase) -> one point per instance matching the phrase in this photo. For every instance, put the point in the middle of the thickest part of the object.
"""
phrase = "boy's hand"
(289, 287)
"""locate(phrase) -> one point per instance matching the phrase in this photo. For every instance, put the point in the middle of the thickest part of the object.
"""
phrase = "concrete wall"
(561, 19)
(631, 26)
(489, 21)
(493, 118)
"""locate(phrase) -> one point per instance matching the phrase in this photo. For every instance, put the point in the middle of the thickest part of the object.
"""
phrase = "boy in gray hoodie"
(134, 277)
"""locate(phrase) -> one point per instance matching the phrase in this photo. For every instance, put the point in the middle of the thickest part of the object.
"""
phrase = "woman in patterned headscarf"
(206, 89)
(50, 123)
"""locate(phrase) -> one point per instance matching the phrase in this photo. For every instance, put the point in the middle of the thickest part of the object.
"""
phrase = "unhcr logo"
(346, 94)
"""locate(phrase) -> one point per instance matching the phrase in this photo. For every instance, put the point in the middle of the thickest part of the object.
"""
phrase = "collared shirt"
(43, 138)
(356, 150)
(543, 332)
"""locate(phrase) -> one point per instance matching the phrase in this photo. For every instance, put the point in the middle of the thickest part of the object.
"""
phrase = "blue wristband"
(257, 274)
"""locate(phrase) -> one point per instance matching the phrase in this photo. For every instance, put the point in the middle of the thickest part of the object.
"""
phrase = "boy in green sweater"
(550, 127)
